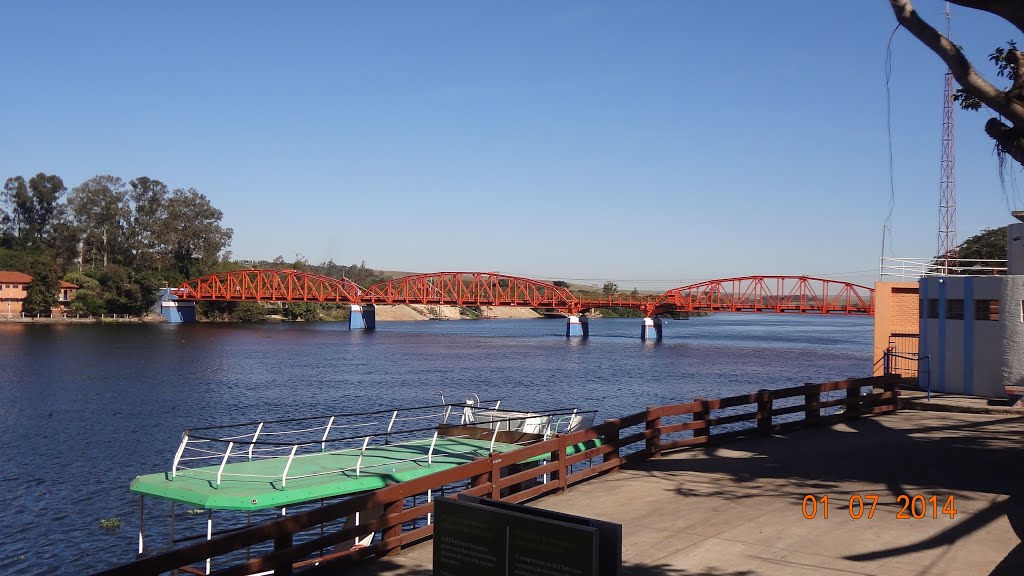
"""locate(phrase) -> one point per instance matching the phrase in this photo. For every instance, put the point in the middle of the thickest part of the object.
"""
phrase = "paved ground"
(942, 402)
(736, 510)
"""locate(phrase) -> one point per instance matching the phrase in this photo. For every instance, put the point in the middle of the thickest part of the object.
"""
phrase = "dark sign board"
(476, 536)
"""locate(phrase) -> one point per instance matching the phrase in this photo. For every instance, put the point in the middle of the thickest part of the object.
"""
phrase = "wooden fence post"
(702, 416)
(612, 437)
(654, 441)
(395, 531)
(852, 401)
(893, 387)
(495, 476)
(283, 567)
(812, 404)
(764, 412)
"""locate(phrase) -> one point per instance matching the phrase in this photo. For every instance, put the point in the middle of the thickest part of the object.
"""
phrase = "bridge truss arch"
(270, 286)
(795, 294)
(470, 289)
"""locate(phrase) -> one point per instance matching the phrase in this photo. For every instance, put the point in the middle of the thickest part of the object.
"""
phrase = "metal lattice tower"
(947, 183)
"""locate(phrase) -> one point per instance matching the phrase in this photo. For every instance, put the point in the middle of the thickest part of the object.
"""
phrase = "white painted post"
(177, 455)
(390, 425)
(430, 454)
(209, 534)
(359, 462)
(142, 517)
(254, 437)
(284, 477)
(430, 498)
(227, 454)
(494, 436)
(323, 441)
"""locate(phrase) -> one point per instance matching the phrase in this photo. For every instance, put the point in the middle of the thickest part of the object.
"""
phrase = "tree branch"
(958, 64)
(1010, 10)
(1007, 139)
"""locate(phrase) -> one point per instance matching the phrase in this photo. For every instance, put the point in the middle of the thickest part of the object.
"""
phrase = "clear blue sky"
(650, 143)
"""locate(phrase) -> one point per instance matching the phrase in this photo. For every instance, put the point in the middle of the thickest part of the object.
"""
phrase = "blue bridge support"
(362, 317)
(175, 311)
(651, 329)
(577, 326)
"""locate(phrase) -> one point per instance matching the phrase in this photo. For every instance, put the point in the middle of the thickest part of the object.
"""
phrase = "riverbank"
(102, 319)
(408, 312)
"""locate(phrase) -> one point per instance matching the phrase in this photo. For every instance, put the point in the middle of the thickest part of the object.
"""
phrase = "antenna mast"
(947, 183)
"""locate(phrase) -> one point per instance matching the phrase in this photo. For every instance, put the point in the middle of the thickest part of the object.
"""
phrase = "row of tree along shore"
(121, 241)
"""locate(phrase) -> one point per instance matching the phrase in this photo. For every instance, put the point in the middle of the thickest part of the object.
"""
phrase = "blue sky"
(650, 143)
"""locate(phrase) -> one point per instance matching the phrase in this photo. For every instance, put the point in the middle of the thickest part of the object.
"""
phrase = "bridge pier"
(577, 326)
(362, 317)
(651, 329)
(175, 311)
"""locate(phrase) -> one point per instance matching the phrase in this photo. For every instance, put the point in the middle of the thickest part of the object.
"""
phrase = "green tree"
(561, 284)
(32, 218)
(41, 294)
(147, 203)
(307, 311)
(192, 233)
(88, 302)
(977, 91)
(610, 288)
(46, 191)
(99, 207)
(249, 312)
(18, 210)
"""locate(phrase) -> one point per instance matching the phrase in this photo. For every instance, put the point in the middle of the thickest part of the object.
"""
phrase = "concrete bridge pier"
(650, 329)
(577, 326)
(173, 310)
(362, 317)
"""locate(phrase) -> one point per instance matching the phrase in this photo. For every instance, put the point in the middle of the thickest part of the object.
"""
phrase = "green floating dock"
(256, 484)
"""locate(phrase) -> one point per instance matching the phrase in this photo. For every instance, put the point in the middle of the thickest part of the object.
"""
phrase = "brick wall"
(896, 312)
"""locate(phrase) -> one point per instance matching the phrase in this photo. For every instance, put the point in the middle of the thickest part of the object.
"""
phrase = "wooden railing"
(599, 450)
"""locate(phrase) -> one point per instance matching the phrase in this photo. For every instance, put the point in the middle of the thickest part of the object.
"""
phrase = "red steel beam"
(800, 294)
(470, 289)
(779, 294)
(270, 286)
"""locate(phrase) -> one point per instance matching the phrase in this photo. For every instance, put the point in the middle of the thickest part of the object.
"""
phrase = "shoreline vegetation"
(120, 242)
(385, 313)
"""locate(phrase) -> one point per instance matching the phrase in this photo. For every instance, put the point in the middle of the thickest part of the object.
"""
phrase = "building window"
(986, 309)
(955, 309)
(933, 308)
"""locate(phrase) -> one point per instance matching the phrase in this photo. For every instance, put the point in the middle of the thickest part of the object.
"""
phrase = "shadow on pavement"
(386, 567)
(957, 457)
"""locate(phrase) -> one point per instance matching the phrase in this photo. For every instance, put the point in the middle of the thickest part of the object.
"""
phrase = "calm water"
(83, 409)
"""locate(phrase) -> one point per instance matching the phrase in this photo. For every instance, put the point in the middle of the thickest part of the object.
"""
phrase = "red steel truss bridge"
(773, 294)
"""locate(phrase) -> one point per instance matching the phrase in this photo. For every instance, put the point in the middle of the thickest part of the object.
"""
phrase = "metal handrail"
(914, 268)
(548, 415)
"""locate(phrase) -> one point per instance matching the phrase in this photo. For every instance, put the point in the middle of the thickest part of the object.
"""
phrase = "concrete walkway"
(735, 510)
(942, 402)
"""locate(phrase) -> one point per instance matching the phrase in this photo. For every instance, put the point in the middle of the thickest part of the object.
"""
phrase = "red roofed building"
(14, 289)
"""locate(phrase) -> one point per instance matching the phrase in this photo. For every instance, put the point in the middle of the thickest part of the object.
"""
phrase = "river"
(85, 408)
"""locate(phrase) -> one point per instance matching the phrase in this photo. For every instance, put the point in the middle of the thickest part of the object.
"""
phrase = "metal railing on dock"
(206, 453)
(607, 446)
